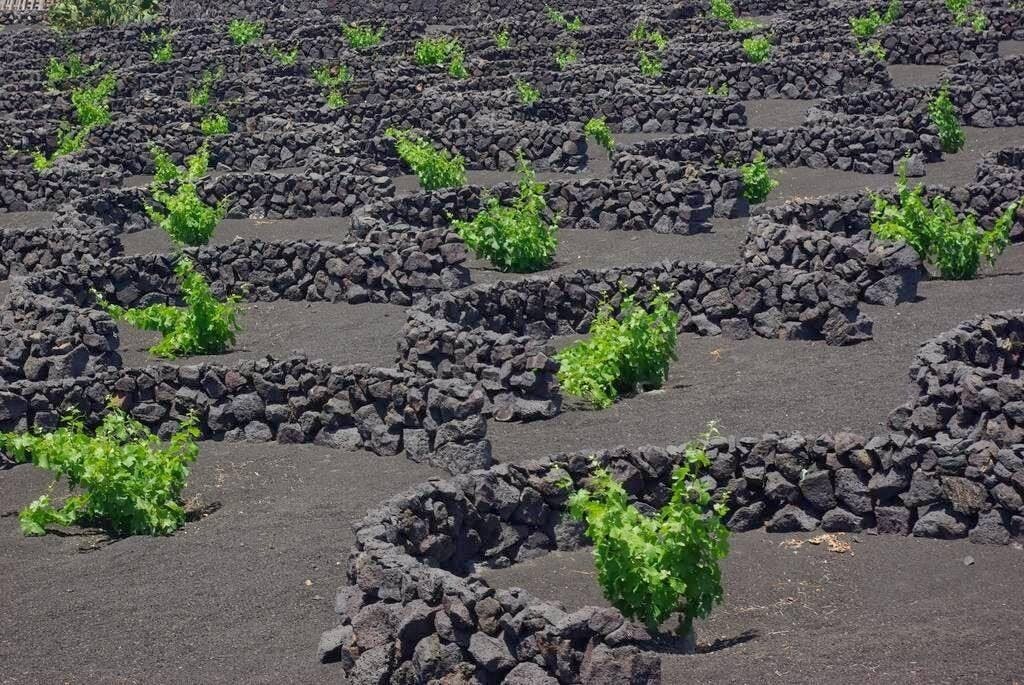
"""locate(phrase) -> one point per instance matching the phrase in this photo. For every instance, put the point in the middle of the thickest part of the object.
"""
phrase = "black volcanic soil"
(240, 596)
(891, 610)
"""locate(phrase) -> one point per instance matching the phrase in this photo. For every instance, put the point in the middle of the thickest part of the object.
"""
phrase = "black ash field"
(375, 498)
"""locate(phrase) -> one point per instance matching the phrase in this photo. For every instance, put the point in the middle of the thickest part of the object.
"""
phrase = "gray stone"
(940, 523)
(491, 653)
(528, 673)
(816, 488)
(789, 519)
(838, 519)
(990, 530)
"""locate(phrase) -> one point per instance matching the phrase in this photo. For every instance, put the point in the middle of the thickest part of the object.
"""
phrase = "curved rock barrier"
(414, 609)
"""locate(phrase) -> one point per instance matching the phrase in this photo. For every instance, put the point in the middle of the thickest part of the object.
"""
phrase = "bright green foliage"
(597, 128)
(285, 58)
(69, 140)
(196, 165)
(184, 216)
(866, 26)
(502, 39)
(642, 34)
(332, 77)
(434, 168)
(527, 93)
(130, 481)
(559, 20)
(74, 15)
(163, 53)
(362, 37)
(721, 91)
(214, 124)
(200, 95)
(566, 56)
(243, 32)
(513, 238)
(757, 184)
(92, 105)
(943, 117)
(893, 11)
(757, 48)
(956, 247)
(336, 99)
(163, 45)
(205, 325)
(622, 355)
(963, 16)
(58, 71)
(651, 567)
(650, 66)
(872, 48)
(432, 51)
(722, 9)
(457, 64)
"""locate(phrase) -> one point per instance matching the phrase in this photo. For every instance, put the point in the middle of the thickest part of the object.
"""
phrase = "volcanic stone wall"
(414, 606)
(498, 333)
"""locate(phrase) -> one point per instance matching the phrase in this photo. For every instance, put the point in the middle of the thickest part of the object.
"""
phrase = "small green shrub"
(182, 214)
(285, 58)
(642, 35)
(92, 105)
(962, 15)
(873, 49)
(559, 20)
(650, 66)
(526, 92)
(956, 247)
(200, 95)
(332, 76)
(622, 355)
(565, 56)
(242, 32)
(435, 169)
(757, 184)
(130, 481)
(434, 51)
(69, 140)
(75, 15)
(163, 45)
(163, 53)
(651, 567)
(722, 9)
(205, 325)
(757, 48)
(513, 238)
(722, 90)
(58, 71)
(361, 37)
(597, 128)
(457, 65)
(332, 79)
(214, 125)
(502, 39)
(943, 116)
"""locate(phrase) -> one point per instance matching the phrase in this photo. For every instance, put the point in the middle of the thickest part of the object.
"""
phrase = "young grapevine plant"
(597, 128)
(757, 184)
(518, 237)
(757, 48)
(621, 355)
(361, 37)
(957, 247)
(183, 214)
(943, 117)
(652, 567)
(434, 168)
(242, 32)
(122, 477)
(58, 71)
(527, 93)
(205, 325)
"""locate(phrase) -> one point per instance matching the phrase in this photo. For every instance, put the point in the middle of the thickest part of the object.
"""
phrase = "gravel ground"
(237, 597)
(795, 612)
